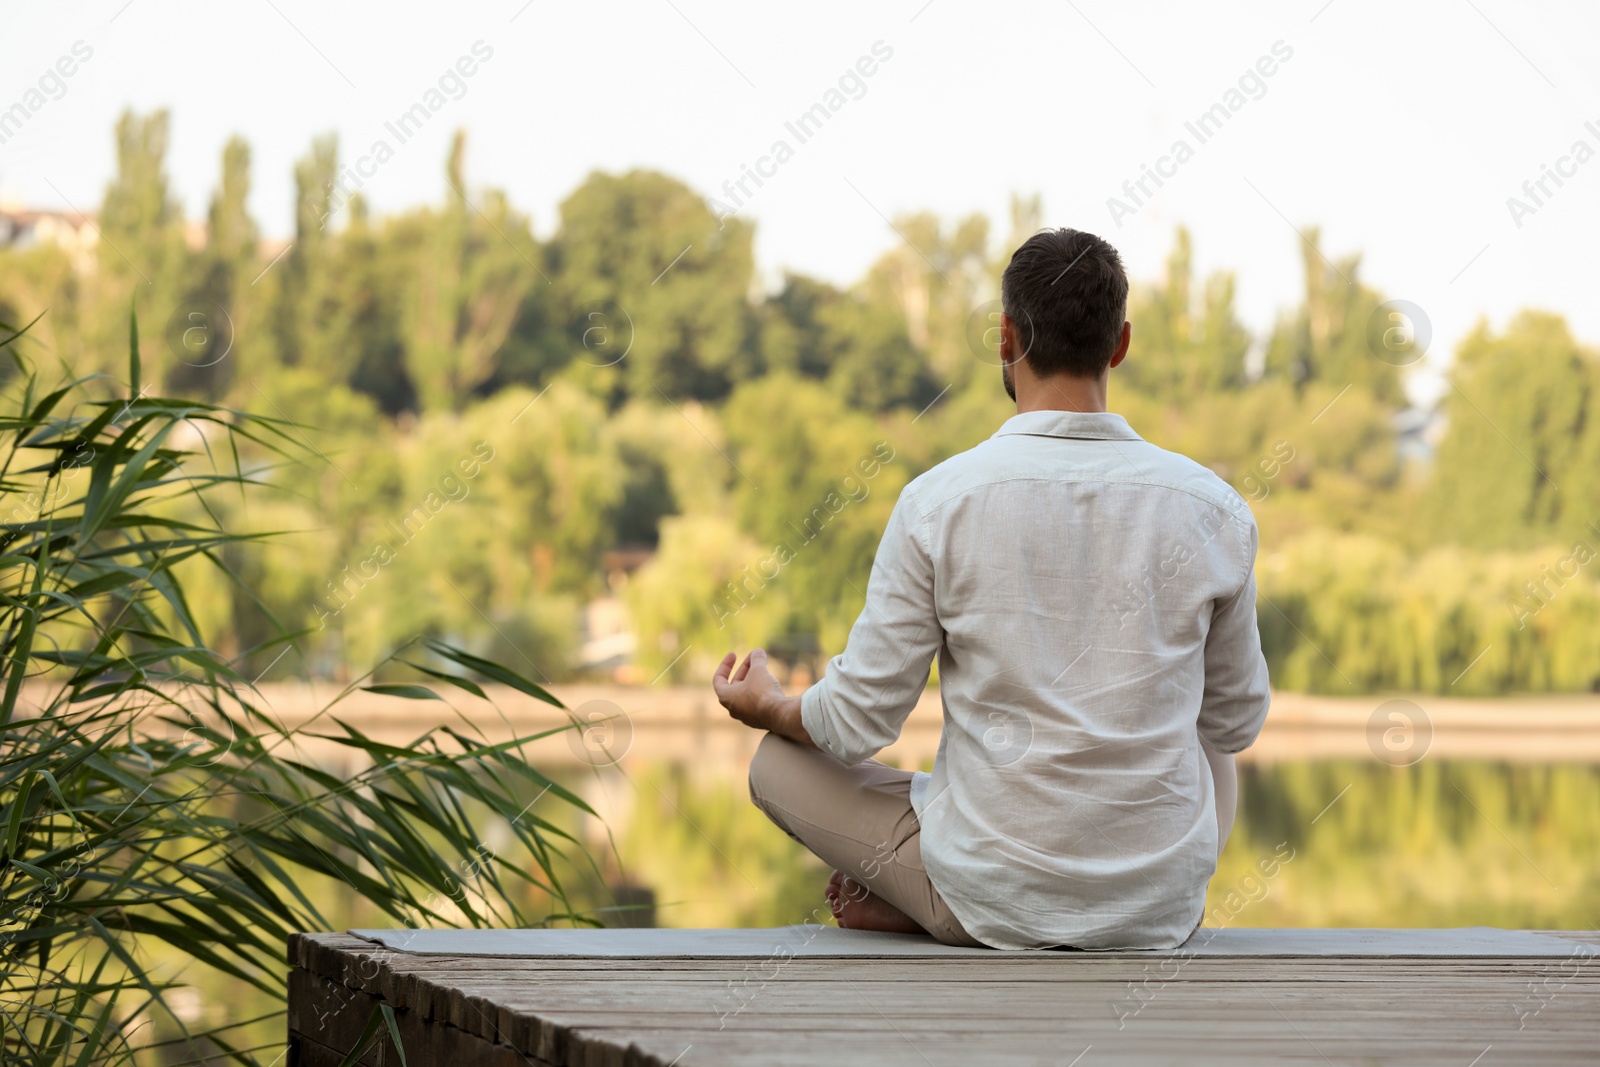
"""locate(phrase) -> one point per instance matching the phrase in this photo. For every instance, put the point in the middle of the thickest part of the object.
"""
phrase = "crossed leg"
(860, 821)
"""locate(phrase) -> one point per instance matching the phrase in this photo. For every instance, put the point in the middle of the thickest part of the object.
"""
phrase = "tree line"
(627, 384)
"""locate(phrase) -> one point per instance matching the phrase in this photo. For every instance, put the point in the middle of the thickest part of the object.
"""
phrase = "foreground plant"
(150, 805)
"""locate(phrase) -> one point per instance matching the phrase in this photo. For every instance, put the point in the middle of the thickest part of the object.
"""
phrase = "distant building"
(609, 645)
(71, 231)
(78, 234)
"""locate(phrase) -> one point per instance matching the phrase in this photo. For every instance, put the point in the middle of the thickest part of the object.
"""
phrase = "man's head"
(1066, 296)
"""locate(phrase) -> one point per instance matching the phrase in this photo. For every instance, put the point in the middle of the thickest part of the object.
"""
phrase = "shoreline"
(686, 725)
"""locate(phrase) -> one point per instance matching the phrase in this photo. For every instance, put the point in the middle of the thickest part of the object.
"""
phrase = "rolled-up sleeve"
(1237, 693)
(860, 704)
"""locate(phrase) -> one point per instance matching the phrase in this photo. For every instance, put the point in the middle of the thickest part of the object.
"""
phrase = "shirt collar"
(1091, 425)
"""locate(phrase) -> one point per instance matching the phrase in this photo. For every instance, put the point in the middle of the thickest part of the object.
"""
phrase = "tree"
(231, 233)
(364, 331)
(1521, 415)
(1185, 347)
(1027, 219)
(217, 308)
(938, 279)
(471, 269)
(139, 219)
(141, 240)
(1326, 338)
(301, 280)
(646, 268)
(817, 487)
(861, 349)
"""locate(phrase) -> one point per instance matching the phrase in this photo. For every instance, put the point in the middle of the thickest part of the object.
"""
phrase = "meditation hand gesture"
(753, 696)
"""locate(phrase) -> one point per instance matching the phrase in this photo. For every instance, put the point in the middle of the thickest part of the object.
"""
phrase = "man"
(1091, 599)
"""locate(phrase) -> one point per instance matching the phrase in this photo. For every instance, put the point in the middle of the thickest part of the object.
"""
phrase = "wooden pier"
(1069, 1009)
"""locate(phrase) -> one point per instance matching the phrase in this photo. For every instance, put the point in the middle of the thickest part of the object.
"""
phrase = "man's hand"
(753, 696)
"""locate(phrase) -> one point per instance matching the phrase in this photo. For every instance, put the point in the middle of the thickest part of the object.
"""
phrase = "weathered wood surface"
(1081, 1011)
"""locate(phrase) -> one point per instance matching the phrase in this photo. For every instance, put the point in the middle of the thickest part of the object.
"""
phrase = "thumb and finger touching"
(727, 677)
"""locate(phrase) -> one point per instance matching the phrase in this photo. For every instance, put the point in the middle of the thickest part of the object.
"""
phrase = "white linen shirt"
(1091, 599)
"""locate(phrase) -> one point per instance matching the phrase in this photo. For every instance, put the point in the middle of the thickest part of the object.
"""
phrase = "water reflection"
(1441, 843)
(1317, 843)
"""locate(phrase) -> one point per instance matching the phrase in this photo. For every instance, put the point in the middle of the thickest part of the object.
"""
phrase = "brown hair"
(1067, 293)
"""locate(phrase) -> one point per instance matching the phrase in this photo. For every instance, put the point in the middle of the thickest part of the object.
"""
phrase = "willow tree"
(1516, 461)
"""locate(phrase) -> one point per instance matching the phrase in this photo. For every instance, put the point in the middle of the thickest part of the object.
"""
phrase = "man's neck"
(1059, 392)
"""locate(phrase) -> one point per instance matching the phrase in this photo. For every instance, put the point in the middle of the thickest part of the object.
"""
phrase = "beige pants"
(857, 819)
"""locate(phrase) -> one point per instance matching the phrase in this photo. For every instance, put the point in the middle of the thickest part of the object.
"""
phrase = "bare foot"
(857, 908)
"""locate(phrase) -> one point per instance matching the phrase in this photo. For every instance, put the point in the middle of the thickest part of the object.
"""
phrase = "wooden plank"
(328, 1018)
(634, 1013)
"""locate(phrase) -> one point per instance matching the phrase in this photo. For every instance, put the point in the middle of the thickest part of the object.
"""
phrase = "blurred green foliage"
(684, 410)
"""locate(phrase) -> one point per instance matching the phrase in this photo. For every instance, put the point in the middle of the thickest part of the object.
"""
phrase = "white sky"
(1400, 128)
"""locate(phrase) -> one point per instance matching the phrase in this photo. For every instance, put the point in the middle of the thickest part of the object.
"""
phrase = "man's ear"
(1122, 345)
(1011, 342)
